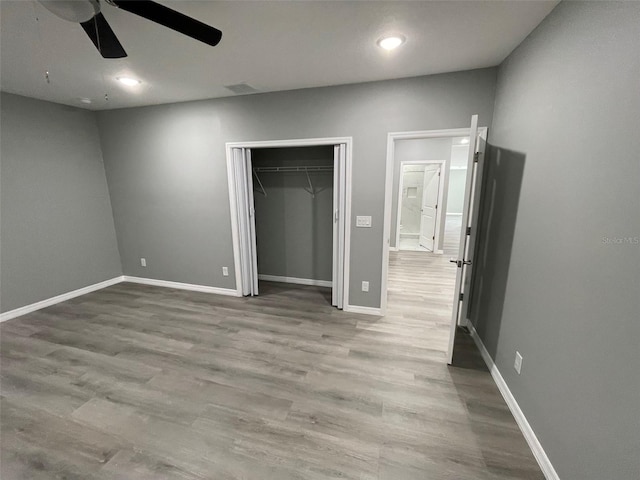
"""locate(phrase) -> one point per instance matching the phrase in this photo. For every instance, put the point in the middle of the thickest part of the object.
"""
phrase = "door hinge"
(434, 237)
(476, 156)
(468, 230)
(436, 207)
(460, 297)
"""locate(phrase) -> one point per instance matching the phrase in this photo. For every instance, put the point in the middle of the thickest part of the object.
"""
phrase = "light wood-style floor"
(138, 382)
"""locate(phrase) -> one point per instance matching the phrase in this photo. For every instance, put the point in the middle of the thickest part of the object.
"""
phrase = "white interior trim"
(113, 281)
(301, 142)
(443, 167)
(529, 435)
(363, 310)
(297, 281)
(57, 299)
(181, 286)
(386, 236)
(297, 142)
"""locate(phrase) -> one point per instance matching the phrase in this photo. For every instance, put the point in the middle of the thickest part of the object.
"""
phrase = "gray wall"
(167, 175)
(455, 198)
(56, 222)
(294, 230)
(563, 177)
(457, 178)
(415, 150)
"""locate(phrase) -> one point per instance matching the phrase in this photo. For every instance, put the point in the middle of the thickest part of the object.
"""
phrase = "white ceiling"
(271, 45)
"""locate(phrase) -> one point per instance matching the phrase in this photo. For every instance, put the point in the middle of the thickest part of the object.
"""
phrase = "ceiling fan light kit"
(88, 14)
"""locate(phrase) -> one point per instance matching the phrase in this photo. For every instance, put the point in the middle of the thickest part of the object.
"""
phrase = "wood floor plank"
(142, 382)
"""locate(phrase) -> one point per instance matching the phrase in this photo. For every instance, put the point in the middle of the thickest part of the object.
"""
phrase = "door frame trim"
(388, 189)
(443, 175)
(300, 142)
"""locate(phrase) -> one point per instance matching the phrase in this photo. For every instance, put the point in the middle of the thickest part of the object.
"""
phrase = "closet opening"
(289, 205)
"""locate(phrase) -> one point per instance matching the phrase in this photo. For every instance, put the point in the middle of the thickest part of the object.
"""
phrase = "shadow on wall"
(502, 181)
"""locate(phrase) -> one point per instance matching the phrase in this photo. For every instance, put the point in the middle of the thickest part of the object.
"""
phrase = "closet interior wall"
(294, 212)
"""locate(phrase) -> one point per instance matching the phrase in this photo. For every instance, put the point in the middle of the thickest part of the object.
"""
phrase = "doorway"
(318, 192)
(443, 280)
(420, 193)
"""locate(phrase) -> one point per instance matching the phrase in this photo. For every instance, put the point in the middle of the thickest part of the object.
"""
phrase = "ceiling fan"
(87, 14)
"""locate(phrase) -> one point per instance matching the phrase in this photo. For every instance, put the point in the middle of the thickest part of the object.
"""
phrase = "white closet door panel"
(243, 219)
(336, 196)
(342, 187)
(252, 223)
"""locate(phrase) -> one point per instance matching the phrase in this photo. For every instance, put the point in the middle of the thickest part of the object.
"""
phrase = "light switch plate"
(518, 363)
(363, 221)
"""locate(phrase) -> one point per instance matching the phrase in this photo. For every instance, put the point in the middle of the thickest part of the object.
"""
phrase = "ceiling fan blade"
(103, 37)
(170, 18)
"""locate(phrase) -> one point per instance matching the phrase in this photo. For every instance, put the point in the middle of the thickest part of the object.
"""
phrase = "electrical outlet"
(225, 271)
(143, 262)
(365, 286)
(518, 363)
(363, 221)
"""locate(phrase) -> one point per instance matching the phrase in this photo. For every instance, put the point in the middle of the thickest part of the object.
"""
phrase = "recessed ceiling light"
(464, 141)
(391, 42)
(128, 81)
(86, 101)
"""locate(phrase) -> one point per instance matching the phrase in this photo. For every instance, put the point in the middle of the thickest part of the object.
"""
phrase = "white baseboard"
(182, 286)
(393, 249)
(107, 283)
(57, 299)
(529, 435)
(363, 310)
(298, 281)
(453, 214)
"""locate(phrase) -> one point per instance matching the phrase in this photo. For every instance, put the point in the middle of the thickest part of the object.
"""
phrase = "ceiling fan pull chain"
(41, 52)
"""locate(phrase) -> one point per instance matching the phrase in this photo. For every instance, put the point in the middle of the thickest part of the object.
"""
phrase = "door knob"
(459, 263)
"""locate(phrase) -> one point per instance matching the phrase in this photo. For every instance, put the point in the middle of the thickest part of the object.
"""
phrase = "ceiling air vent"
(241, 88)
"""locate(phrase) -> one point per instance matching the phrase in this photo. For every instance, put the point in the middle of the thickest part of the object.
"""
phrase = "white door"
(470, 208)
(429, 208)
(339, 185)
(246, 220)
(252, 225)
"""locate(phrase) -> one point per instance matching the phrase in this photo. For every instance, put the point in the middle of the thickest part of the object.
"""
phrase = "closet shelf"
(307, 169)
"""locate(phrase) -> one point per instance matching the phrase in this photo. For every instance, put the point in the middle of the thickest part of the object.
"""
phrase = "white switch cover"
(143, 262)
(225, 271)
(518, 363)
(365, 286)
(363, 221)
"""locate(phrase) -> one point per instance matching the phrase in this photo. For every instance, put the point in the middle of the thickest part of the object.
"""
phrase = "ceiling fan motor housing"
(77, 11)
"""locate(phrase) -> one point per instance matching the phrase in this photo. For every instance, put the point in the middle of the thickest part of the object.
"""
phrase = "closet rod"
(301, 168)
